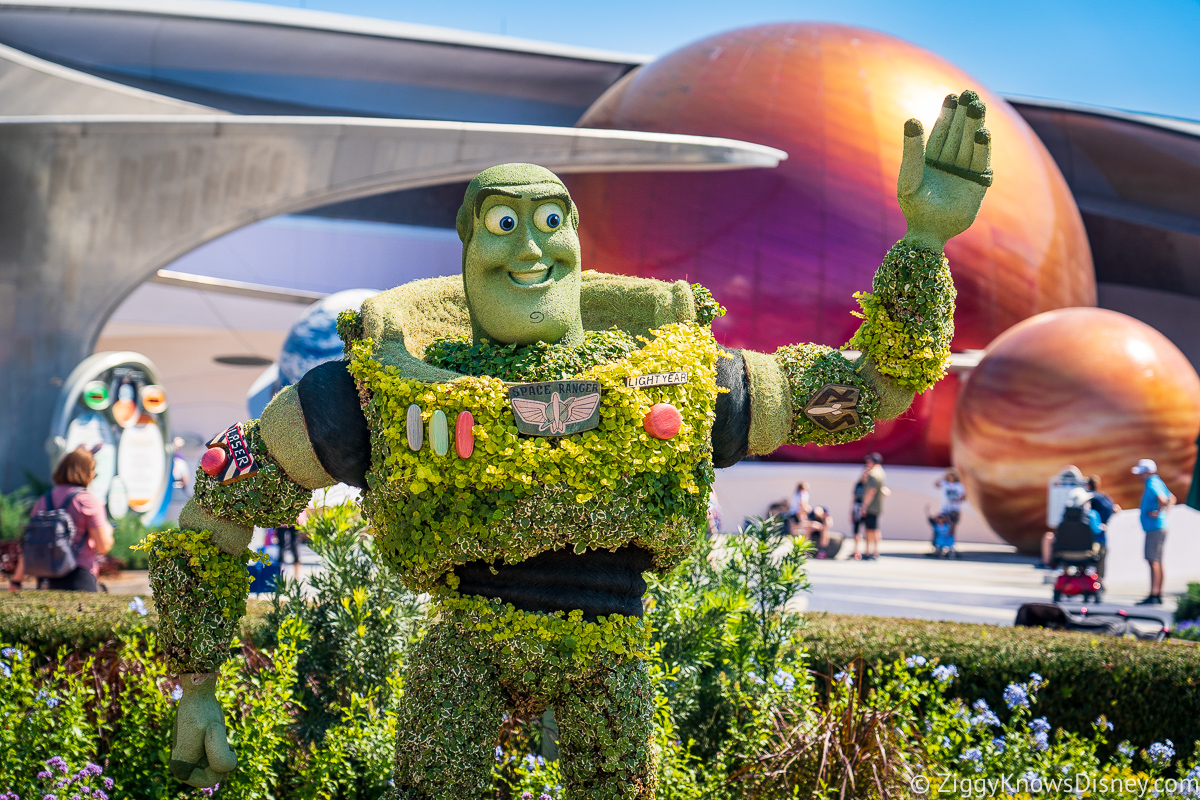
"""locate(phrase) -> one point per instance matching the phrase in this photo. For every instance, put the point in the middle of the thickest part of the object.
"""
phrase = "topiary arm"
(198, 573)
(812, 394)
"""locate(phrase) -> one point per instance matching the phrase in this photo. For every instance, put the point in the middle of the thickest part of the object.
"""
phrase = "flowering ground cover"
(751, 701)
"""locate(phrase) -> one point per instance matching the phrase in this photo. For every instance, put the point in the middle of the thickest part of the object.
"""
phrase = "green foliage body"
(519, 496)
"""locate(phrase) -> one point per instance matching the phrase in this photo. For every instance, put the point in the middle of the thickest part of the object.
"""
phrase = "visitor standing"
(857, 513)
(288, 538)
(875, 481)
(954, 494)
(93, 534)
(1102, 504)
(1156, 499)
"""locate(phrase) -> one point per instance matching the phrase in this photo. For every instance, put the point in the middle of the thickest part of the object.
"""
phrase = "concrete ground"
(987, 584)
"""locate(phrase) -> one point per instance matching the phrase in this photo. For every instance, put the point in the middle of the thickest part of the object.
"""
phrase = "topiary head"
(521, 270)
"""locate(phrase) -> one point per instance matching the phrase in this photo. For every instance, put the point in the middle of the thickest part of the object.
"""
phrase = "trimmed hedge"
(81, 621)
(1149, 691)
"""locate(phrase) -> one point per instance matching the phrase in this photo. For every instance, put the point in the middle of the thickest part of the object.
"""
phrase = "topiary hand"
(942, 183)
(200, 755)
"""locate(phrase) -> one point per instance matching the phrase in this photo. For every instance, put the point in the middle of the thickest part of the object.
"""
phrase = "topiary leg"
(605, 726)
(449, 720)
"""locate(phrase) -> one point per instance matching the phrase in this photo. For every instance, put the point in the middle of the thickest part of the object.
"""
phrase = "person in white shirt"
(799, 508)
(954, 494)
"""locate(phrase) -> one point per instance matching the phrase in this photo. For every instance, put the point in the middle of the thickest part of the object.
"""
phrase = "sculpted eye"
(548, 217)
(500, 220)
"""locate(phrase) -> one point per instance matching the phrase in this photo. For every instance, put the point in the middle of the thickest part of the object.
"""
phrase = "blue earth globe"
(311, 341)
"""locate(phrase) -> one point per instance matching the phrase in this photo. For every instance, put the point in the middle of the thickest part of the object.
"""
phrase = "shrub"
(720, 620)
(358, 615)
(1188, 606)
(14, 513)
(83, 622)
(1087, 675)
(130, 531)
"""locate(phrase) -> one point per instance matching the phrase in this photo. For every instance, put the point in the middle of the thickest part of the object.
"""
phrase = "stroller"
(1116, 623)
(1078, 553)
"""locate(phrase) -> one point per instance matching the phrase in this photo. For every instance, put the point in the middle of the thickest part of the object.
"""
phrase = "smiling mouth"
(530, 277)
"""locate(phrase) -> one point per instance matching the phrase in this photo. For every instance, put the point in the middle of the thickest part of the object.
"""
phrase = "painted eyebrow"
(486, 193)
(562, 197)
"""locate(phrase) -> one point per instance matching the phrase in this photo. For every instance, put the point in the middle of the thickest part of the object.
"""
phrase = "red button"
(464, 436)
(214, 460)
(663, 421)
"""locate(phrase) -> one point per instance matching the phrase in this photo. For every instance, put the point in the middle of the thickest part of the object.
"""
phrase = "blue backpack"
(48, 547)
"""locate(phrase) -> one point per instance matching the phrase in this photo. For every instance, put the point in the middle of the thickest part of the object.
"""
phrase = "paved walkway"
(987, 584)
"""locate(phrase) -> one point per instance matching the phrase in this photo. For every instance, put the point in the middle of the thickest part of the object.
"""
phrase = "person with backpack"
(67, 529)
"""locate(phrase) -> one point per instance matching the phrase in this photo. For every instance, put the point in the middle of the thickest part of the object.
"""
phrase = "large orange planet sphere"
(785, 249)
(1082, 386)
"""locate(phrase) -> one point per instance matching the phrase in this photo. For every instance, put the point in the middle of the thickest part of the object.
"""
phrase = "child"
(943, 534)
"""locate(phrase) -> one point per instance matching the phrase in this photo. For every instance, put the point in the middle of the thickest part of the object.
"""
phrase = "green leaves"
(266, 500)
(518, 496)
(908, 317)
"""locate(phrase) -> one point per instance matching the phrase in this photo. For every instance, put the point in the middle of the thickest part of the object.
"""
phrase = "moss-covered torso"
(517, 496)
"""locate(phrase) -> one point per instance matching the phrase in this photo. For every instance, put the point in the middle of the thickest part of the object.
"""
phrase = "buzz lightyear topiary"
(531, 439)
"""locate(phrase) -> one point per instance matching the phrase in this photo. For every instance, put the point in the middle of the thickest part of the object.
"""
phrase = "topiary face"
(521, 257)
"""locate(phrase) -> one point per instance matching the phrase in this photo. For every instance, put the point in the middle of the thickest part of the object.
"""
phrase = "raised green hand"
(200, 755)
(942, 182)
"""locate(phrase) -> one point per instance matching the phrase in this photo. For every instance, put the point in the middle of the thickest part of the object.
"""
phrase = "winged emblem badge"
(555, 408)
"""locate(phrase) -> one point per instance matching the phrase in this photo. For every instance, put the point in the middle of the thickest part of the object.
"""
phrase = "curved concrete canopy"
(255, 58)
(32, 86)
(92, 206)
(1135, 179)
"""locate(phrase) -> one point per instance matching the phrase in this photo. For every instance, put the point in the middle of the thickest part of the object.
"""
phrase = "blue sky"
(1140, 55)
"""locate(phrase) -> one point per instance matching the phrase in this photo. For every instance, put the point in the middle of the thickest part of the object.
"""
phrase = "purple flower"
(999, 743)
(1041, 740)
(1035, 680)
(526, 795)
(49, 797)
(944, 673)
(44, 774)
(138, 606)
(914, 661)
(211, 790)
(177, 693)
(1102, 723)
(784, 679)
(1039, 725)
(108, 783)
(1161, 753)
(4, 669)
(1015, 696)
(101, 795)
